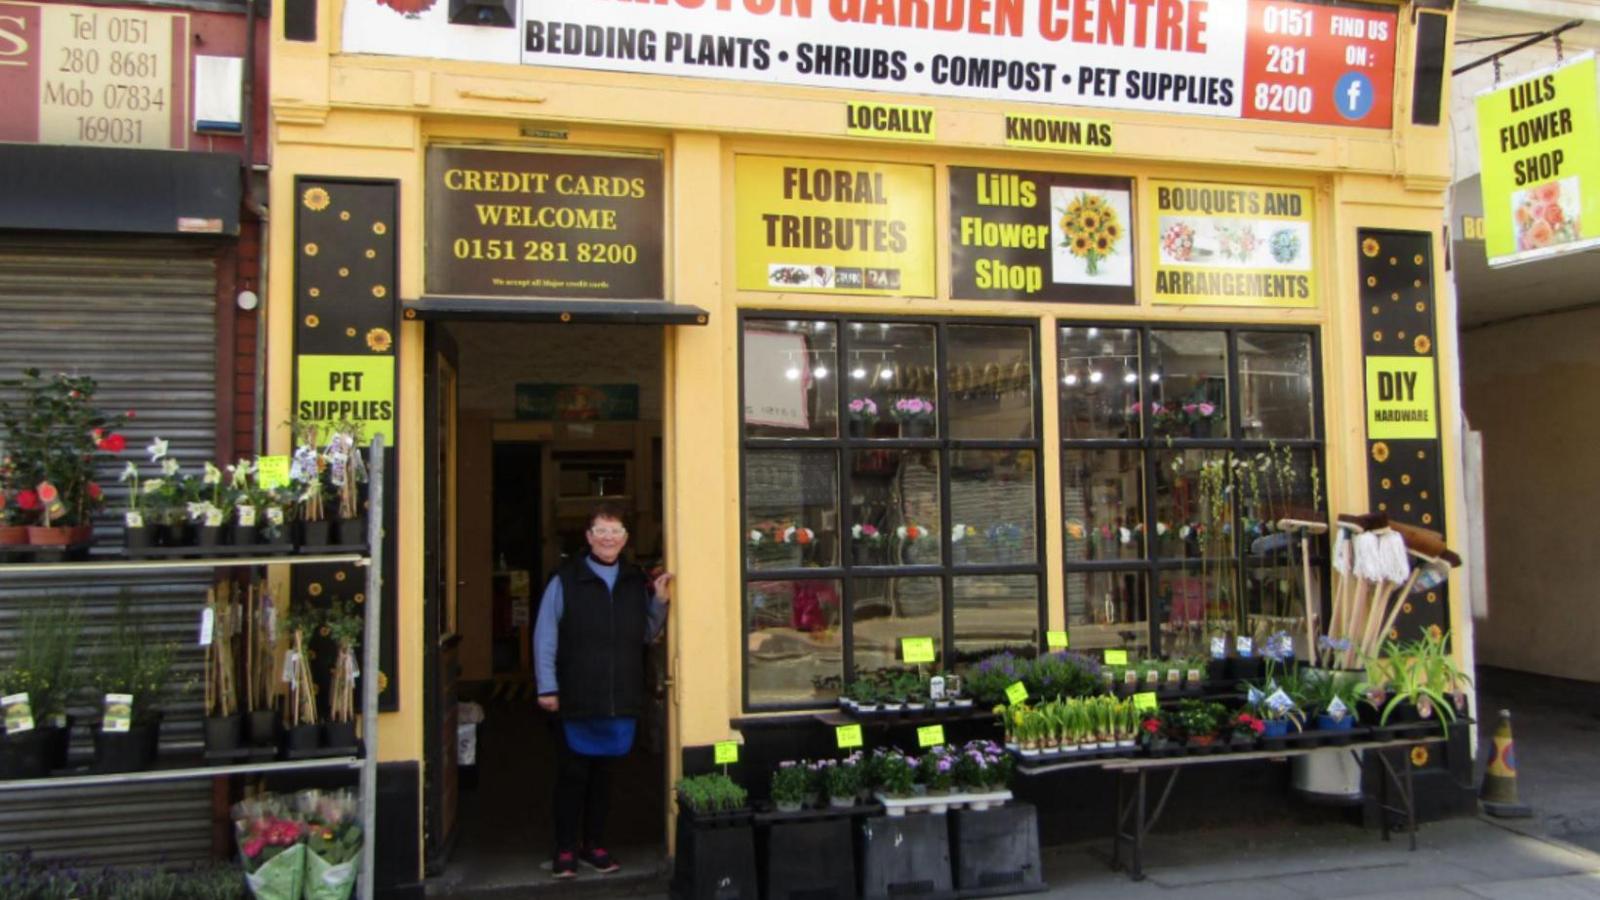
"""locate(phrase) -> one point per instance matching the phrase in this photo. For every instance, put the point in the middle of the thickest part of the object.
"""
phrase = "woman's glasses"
(608, 531)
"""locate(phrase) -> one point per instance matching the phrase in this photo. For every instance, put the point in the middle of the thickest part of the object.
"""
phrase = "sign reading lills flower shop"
(1232, 244)
(1539, 143)
(502, 223)
(1040, 236)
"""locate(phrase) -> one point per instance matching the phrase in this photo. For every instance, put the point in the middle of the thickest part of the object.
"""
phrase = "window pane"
(1194, 603)
(894, 507)
(791, 508)
(1107, 609)
(789, 372)
(1194, 506)
(795, 653)
(1102, 498)
(995, 613)
(1275, 385)
(1189, 384)
(888, 609)
(893, 380)
(1100, 375)
(992, 506)
(991, 382)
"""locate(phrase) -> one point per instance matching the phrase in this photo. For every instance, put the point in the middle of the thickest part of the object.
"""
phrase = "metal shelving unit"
(367, 762)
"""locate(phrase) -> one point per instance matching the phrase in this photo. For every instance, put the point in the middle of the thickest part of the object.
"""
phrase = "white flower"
(198, 510)
(900, 532)
(788, 535)
(169, 467)
(129, 472)
(1126, 535)
(154, 484)
(755, 536)
(213, 475)
(1161, 528)
(855, 531)
(1184, 532)
(157, 449)
(958, 532)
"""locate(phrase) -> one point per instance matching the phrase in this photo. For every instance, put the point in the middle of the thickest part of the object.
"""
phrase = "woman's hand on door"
(661, 585)
(550, 702)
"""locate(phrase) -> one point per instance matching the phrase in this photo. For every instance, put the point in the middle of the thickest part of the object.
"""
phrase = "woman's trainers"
(565, 865)
(599, 860)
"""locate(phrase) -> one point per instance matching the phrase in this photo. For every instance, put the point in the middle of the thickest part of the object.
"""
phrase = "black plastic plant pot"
(208, 535)
(350, 531)
(224, 732)
(139, 538)
(261, 727)
(175, 535)
(133, 750)
(339, 734)
(315, 534)
(305, 737)
(244, 535)
(58, 740)
(26, 755)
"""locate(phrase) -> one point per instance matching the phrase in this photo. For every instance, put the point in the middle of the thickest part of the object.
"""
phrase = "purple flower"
(1207, 409)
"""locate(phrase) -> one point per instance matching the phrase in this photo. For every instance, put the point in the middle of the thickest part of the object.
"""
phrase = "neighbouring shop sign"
(834, 226)
(578, 402)
(506, 223)
(1258, 59)
(1232, 244)
(94, 76)
(1539, 146)
(1040, 236)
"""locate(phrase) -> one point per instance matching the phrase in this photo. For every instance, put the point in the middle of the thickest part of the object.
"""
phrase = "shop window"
(1171, 479)
(891, 489)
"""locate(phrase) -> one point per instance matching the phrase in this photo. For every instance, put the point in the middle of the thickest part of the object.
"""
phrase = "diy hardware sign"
(1262, 59)
(505, 223)
(1232, 244)
(1400, 398)
(1539, 144)
(830, 226)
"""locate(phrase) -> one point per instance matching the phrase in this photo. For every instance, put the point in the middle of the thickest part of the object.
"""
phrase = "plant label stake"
(930, 735)
(19, 713)
(725, 753)
(916, 650)
(1145, 701)
(1056, 640)
(119, 713)
(208, 624)
(1116, 657)
(1017, 693)
(848, 737)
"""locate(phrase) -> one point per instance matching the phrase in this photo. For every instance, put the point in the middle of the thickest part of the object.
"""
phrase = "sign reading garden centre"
(1232, 244)
(834, 226)
(503, 223)
(1539, 143)
(1257, 59)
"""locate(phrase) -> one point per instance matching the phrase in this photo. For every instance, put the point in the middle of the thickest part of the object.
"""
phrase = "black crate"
(996, 851)
(810, 860)
(906, 856)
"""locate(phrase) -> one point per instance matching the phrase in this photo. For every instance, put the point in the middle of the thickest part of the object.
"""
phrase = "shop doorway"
(528, 427)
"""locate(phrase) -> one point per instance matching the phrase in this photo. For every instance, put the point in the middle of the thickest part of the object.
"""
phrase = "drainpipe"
(255, 206)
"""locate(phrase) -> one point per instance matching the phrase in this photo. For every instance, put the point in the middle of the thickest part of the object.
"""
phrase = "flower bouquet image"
(1177, 242)
(1236, 239)
(1089, 231)
(1547, 214)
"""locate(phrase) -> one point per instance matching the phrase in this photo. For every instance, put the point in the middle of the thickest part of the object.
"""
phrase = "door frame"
(438, 561)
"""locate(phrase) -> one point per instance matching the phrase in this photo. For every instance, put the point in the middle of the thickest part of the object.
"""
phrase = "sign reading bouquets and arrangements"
(1040, 236)
(506, 223)
(1232, 244)
(1539, 145)
(94, 76)
(834, 226)
(1260, 59)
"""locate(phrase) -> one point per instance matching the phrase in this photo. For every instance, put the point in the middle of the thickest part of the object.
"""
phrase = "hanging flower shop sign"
(1046, 236)
(1232, 244)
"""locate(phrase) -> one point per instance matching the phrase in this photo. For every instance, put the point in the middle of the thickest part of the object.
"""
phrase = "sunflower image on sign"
(1089, 235)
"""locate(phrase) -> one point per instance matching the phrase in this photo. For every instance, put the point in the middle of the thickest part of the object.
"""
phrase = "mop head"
(1393, 562)
(1341, 553)
(1367, 566)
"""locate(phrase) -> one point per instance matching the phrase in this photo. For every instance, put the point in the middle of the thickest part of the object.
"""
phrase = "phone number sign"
(1324, 65)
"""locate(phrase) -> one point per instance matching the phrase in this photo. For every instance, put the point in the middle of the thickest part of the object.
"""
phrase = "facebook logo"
(1353, 96)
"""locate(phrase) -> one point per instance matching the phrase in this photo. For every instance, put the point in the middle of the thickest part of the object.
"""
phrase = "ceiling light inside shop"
(820, 371)
(1094, 332)
(858, 373)
(792, 373)
(886, 375)
(1095, 377)
(1154, 377)
(1070, 380)
(1130, 378)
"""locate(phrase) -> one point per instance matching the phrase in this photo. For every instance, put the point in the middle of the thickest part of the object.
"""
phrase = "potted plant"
(1125, 725)
(224, 727)
(936, 772)
(304, 732)
(271, 841)
(910, 539)
(897, 777)
(308, 473)
(210, 513)
(54, 436)
(333, 843)
(37, 686)
(711, 795)
(843, 781)
(263, 685)
(342, 625)
(347, 471)
(1244, 730)
(789, 783)
(863, 692)
(1198, 721)
(138, 529)
(1422, 680)
(914, 689)
(1333, 696)
(245, 502)
(863, 416)
(1154, 735)
(131, 672)
(13, 522)
(915, 415)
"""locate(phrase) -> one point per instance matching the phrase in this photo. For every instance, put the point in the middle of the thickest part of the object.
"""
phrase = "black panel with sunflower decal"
(1404, 473)
(345, 278)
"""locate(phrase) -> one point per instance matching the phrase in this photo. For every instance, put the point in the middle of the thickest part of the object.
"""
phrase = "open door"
(441, 585)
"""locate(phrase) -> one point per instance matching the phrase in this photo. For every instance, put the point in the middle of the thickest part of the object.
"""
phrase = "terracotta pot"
(82, 534)
(53, 536)
(13, 535)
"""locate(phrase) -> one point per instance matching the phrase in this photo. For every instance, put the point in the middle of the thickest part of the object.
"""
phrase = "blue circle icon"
(1353, 95)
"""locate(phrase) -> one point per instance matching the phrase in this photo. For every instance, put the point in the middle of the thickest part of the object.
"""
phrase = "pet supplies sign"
(1232, 244)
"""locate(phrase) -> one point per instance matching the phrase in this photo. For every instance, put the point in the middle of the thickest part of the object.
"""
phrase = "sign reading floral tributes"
(1232, 244)
(1539, 143)
(1040, 236)
(831, 226)
(505, 223)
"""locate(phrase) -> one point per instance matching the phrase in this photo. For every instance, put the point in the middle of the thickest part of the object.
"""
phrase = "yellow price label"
(1145, 701)
(916, 649)
(1116, 657)
(1056, 640)
(930, 735)
(272, 472)
(1017, 693)
(848, 737)
(726, 752)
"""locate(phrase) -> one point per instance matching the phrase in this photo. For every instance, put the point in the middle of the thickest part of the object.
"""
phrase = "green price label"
(1056, 640)
(1145, 701)
(930, 735)
(916, 649)
(848, 736)
(1116, 657)
(727, 752)
(1017, 693)
(272, 472)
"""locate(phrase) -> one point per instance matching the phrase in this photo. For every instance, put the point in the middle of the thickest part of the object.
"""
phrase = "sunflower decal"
(312, 321)
(1380, 452)
(380, 291)
(316, 199)
(315, 293)
(1422, 344)
(349, 332)
(383, 681)
(1090, 230)
(1419, 756)
(344, 215)
(315, 589)
(371, 253)
(1370, 248)
(379, 341)
(379, 228)
(311, 249)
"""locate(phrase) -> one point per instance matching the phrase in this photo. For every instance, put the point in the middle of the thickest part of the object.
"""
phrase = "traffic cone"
(1499, 793)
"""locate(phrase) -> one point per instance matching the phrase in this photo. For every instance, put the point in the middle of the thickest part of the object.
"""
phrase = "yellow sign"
(1232, 244)
(726, 752)
(1145, 700)
(1056, 640)
(272, 472)
(1400, 398)
(356, 389)
(834, 227)
(930, 735)
(916, 649)
(107, 76)
(889, 120)
(1017, 693)
(1116, 657)
(1058, 133)
(848, 736)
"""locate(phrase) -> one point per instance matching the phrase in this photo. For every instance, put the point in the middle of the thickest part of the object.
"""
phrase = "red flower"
(253, 847)
(48, 492)
(112, 443)
(1245, 718)
(94, 491)
(1257, 726)
(129, 414)
(27, 499)
(1151, 726)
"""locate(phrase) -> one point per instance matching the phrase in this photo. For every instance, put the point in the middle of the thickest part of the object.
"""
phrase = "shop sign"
(1258, 59)
(1400, 398)
(95, 76)
(1040, 236)
(355, 389)
(1539, 146)
(1033, 132)
(889, 120)
(578, 402)
(1232, 244)
(502, 223)
(830, 226)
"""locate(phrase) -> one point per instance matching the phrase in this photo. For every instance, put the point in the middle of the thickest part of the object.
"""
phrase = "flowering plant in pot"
(915, 415)
(54, 436)
(333, 842)
(308, 473)
(863, 415)
(131, 674)
(13, 518)
(271, 839)
(213, 508)
(37, 686)
(897, 773)
(843, 780)
(347, 471)
(790, 783)
(342, 625)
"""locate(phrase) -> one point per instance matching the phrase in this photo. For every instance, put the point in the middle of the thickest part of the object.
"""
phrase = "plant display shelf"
(366, 763)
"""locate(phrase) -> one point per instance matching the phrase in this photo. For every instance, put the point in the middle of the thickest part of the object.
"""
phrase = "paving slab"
(1564, 887)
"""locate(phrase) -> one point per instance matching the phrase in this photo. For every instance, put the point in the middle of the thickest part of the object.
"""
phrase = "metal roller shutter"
(140, 317)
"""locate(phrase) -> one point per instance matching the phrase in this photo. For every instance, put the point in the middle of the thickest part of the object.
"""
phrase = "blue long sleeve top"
(547, 631)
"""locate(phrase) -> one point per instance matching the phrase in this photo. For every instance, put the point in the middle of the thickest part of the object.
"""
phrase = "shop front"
(882, 323)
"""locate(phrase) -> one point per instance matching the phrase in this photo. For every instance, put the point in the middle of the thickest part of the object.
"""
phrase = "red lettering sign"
(1324, 65)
